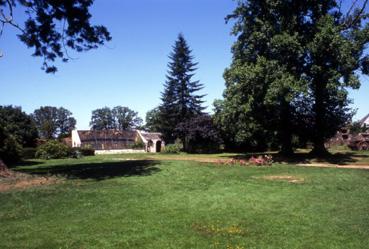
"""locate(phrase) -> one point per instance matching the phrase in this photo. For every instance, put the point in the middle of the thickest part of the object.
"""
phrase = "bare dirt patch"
(11, 180)
(329, 165)
(288, 178)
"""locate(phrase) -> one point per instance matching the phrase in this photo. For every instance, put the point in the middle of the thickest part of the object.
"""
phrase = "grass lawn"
(128, 201)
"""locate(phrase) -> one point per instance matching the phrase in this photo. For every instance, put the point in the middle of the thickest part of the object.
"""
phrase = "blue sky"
(130, 70)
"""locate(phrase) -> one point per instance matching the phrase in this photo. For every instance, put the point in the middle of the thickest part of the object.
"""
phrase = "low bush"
(53, 150)
(75, 153)
(173, 148)
(29, 153)
(199, 135)
(87, 151)
(79, 152)
(138, 145)
(10, 149)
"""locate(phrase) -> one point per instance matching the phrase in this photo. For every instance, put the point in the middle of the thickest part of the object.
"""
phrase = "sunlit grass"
(117, 202)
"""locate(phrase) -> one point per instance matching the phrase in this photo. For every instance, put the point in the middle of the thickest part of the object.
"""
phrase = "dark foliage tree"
(119, 118)
(125, 118)
(54, 27)
(357, 127)
(102, 119)
(10, 149)
(292, 63)
(16, 131)
(199, 135)
(153, 123)
(180, 99)
(65, 122)
(336, 57)
(53, 122)
(168, 112)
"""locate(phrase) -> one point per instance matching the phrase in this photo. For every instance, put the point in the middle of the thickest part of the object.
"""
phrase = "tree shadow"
(27, 163)
(98, 171)
(305, 157)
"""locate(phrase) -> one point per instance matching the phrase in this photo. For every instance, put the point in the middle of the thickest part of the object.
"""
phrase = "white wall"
(110, 152)
(76, 141)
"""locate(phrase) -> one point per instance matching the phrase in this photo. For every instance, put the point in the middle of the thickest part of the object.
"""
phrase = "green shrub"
(53, 150)
(78, 152)
(85, 151)
(10, 149)
(29, 153)
(138, 145)
(173, 148)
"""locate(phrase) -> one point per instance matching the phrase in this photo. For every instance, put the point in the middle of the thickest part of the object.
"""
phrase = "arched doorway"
(149, 146)
(158, 146)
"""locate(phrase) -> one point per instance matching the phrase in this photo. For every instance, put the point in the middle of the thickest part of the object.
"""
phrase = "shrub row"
(56, 150)
(173, 148)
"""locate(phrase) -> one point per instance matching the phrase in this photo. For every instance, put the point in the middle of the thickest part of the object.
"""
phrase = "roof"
(365, 120)
(88, 135)
(151, 135)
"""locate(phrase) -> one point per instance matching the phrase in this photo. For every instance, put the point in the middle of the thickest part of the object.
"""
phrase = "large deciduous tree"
(65, 122)
(180, 99)
(53, 27)
(53, 122)
(292, 65)
(199, 134)
(102, 119)
(336, 57)
(152, 120)
(118, 118)
(125, 118)
(17, 130)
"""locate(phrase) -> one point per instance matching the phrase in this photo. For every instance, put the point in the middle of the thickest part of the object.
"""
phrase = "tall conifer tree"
(180, 99)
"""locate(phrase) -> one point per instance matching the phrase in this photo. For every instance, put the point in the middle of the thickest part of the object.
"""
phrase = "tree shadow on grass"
(27, 163)
(335, 158)
(345, 158)
(98, 171)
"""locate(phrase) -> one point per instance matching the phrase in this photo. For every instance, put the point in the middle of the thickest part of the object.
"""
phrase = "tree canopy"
(53, 122)
(125, 118)
(54, 27)
(17, 130)
(199, 134)
(118, 118)
(292, 65)
(152, 120)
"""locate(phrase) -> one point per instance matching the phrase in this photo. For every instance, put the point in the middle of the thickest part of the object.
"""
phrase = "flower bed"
(266, 160)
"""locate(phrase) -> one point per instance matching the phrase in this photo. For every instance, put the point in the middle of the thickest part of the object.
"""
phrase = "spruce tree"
(168, 111)
(180, 99)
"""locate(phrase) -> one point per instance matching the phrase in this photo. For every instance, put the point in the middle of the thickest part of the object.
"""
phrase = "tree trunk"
(319, 148)
(286, 148)
(3, 167)
(286, 130)
(320, 126)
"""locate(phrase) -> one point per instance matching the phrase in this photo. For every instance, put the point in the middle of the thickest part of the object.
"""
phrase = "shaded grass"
(339, 157)
(183, 204)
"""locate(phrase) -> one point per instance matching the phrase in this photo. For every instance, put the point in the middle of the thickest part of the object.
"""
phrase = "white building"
(365, 121)
(114, 141)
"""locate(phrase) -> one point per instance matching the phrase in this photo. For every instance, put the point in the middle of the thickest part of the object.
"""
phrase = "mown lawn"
(112, 202)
